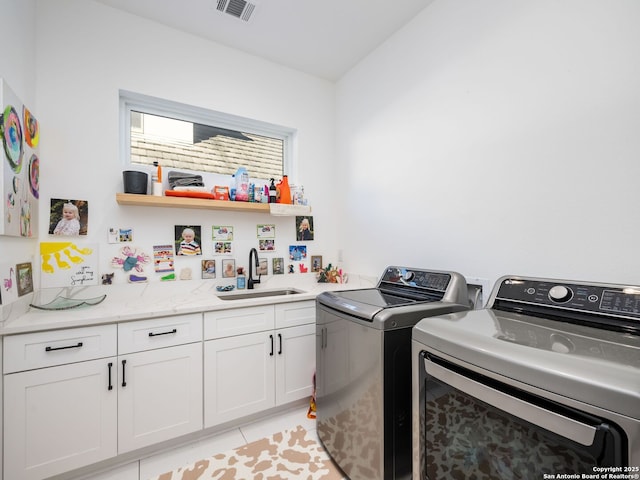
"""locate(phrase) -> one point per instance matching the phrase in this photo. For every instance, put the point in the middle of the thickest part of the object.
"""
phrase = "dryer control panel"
(605, 304)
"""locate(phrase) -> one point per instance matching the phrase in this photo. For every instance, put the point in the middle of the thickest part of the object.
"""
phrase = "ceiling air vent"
(240, 9)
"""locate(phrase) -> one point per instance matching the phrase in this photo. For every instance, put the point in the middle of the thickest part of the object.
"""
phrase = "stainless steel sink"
(259, 294)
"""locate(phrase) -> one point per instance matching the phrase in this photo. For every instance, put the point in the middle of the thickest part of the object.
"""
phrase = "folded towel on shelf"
(179, 179)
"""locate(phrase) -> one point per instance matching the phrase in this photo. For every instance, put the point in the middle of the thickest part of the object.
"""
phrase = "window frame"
(131, 101)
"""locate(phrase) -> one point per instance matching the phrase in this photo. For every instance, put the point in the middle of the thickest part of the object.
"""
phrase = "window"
(183, 137)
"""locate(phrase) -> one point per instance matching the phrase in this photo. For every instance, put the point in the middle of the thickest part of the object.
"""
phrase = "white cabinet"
(239, 374)
(60, 415)
(257, 358)
(71, 400)
(159, 387)
(295, 363)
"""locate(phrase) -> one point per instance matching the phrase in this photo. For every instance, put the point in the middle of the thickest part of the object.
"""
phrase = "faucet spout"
(252, 281)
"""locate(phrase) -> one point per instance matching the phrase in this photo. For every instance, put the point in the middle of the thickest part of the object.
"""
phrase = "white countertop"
(126, 302)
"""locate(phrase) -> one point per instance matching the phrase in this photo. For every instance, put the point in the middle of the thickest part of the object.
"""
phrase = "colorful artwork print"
(31, 128)
(12, 138)
(34, 176)
(188, 240)
(8, 284)
(68, 217)
(131, 258)
(163, 258)
(19, 166)
(64, 264)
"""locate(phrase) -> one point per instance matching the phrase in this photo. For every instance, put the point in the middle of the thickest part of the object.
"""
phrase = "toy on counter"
(331, 275)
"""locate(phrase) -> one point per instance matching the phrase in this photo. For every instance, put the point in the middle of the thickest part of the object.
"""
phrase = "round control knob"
(560, 293)
(409, 276)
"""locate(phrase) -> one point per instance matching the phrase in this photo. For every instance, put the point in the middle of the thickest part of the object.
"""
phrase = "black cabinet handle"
(51, 349)
(151, 334)
(280, 344)
(124, 382)
(110, 384)
(271, 337)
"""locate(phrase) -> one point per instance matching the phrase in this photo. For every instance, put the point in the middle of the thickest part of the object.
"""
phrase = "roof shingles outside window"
(222, 154)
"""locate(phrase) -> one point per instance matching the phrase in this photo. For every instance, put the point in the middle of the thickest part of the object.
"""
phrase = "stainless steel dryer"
(363, 369)
(543, 382)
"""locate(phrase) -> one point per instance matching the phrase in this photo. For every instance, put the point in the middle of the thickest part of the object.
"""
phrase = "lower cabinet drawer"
(57, 347)
(141, 335)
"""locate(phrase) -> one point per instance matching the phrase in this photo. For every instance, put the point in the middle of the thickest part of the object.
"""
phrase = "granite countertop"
(127, 302)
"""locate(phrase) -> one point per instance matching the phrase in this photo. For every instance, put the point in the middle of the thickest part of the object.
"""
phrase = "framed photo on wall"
(316, 263)
(24, 277)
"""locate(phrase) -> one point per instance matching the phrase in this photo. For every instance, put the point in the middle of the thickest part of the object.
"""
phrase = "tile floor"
(167, 461)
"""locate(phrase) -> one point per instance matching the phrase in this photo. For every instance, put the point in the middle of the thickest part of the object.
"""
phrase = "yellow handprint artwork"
(66, 264)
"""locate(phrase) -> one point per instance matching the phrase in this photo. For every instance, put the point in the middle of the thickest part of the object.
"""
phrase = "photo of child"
(304, 228)
(278, 265)
(187, 240)
(228, 268)
(68, 217)
(208, 269)
(297, 252)
(220, 248)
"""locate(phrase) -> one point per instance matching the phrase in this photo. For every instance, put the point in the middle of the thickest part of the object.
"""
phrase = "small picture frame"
(208, 269)
(316, 263)
(24, 278)
(277, 265)
(262, 266)
(228, 268)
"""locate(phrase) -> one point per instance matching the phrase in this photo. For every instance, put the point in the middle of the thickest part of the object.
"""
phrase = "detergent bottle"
(285, 191)
(242, 185)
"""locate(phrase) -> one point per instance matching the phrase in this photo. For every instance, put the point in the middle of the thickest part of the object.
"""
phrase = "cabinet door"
(239, 373)
(59, 418)
(295, 363)
(159, 395)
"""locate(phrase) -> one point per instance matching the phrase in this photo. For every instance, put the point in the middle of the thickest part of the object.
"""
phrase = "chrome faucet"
(250, 281)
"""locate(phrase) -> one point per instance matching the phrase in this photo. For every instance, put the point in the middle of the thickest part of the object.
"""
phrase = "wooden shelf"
(185, 202)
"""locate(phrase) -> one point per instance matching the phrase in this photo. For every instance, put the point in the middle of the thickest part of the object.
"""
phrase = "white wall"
(497, 137)
(86, 52)
(17, 67)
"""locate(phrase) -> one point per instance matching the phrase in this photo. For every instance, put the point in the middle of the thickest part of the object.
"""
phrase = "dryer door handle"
(547, 419)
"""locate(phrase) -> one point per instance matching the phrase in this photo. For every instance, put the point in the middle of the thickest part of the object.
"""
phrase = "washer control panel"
(602, 299)
(417, 278)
